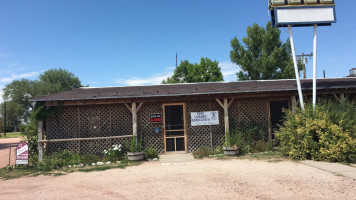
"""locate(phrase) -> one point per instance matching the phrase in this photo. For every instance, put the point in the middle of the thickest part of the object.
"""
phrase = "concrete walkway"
(176, 159)
(335, 168)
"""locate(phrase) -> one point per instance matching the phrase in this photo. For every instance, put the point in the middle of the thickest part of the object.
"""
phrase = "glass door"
(174, 128)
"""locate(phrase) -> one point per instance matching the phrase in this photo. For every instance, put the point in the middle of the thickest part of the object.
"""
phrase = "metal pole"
(314, 66)
(5, 119)
(296, 67)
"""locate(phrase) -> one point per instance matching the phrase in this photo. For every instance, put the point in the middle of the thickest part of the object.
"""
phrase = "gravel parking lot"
(202, 179)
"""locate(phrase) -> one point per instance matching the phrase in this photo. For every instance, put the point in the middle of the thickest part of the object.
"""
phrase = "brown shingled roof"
(196, 89)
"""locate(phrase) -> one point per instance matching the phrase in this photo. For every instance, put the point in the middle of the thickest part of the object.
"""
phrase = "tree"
(206, 71)
(57, 80)
(262, 55)
(18, 92)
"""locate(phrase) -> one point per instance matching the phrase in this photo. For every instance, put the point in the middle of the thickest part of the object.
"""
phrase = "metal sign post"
(314, 67)
(302, 13)
(296, 67)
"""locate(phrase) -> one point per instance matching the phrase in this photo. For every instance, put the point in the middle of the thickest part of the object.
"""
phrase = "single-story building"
(173, 117)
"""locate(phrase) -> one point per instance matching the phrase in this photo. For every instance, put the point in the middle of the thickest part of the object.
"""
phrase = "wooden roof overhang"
(199, 91)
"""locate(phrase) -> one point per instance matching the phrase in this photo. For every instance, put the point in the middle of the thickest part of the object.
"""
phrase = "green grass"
(11, 135)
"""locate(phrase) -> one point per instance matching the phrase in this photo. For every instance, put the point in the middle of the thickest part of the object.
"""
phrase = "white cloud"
(8, 77)
(228, 70)
(155, 79)
(14, 76)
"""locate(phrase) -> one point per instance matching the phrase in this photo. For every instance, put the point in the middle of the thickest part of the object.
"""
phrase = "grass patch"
(11, 135)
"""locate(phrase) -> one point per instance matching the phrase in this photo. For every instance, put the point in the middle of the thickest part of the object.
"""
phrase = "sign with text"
(156, 118)
(22, 154)
(204, 118)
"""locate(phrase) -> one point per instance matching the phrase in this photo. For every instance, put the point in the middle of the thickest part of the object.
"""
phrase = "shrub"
(151, 153)
(202, 152)
(59, 160)
(89, 158)
(328, 133)
(113, 154)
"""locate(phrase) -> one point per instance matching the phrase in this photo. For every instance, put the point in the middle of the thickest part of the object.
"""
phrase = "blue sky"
(132, 42)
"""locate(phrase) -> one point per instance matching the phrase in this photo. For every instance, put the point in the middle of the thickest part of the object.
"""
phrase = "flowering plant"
(114, 153)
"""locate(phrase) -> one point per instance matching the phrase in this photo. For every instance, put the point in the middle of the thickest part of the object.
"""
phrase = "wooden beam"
(128, 107)
(226, 117)
(342, 97)
(134, 118)
(40, 137)
(231, 101)
(294, 103)
(337, 98)
(219, 102)
(84, 139)
(139, 106)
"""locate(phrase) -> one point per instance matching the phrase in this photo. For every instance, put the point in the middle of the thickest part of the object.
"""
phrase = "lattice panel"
(64, 125)
(73, 146)
(146, 128)
(121, 120)
(203, 135)
(253, 110)
(89, 113)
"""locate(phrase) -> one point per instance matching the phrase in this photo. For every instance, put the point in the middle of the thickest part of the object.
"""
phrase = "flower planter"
(134, 156)
(231, 151)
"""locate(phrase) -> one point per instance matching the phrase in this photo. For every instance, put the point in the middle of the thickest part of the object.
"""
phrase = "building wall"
(116, 120)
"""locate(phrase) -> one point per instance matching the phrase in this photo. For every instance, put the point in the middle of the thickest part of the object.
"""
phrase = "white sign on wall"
(204, 118)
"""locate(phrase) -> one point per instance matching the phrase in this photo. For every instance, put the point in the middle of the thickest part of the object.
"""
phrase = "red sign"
(22, 154)
(156, 118)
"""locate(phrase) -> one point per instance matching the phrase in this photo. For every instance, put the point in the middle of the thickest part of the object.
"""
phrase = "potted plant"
(135, 150)
(230, 145)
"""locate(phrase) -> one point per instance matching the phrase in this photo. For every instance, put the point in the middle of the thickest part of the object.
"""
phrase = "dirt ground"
(4, 151)
(202, 179)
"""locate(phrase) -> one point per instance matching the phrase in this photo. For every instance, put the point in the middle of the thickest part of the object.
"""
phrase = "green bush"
(202, 152)
(114, 153)
(151, 153)
(328, 133)
(59, 160)
(89, 158)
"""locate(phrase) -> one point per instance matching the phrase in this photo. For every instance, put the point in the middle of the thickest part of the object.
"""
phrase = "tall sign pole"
(314, 66)
(303, 13)
(300, 93)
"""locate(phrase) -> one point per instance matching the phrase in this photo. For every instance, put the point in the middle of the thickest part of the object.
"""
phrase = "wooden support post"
(134, 118)
(40, 138)
(226, 106)
(294, 103)
(226, 116)
(342, 97)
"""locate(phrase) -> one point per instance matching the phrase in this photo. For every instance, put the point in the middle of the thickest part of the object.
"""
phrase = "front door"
(174, 128)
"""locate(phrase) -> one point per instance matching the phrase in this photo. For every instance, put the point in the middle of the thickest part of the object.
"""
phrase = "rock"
(93, 164)
(155, 159)
(99, 163)
(69, 166)
(108, 163)
(118, 162)
(74, 165)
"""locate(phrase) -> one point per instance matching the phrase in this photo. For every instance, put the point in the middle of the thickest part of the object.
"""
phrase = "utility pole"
(4, 118)
(304, 62)
(176, 60)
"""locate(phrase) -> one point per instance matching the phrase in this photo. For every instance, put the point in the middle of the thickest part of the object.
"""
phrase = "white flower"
(115, 148)
(105, 151)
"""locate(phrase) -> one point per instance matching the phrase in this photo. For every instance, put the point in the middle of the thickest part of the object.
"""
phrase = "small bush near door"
(151, 153)
(202, 152)
(328, 133)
